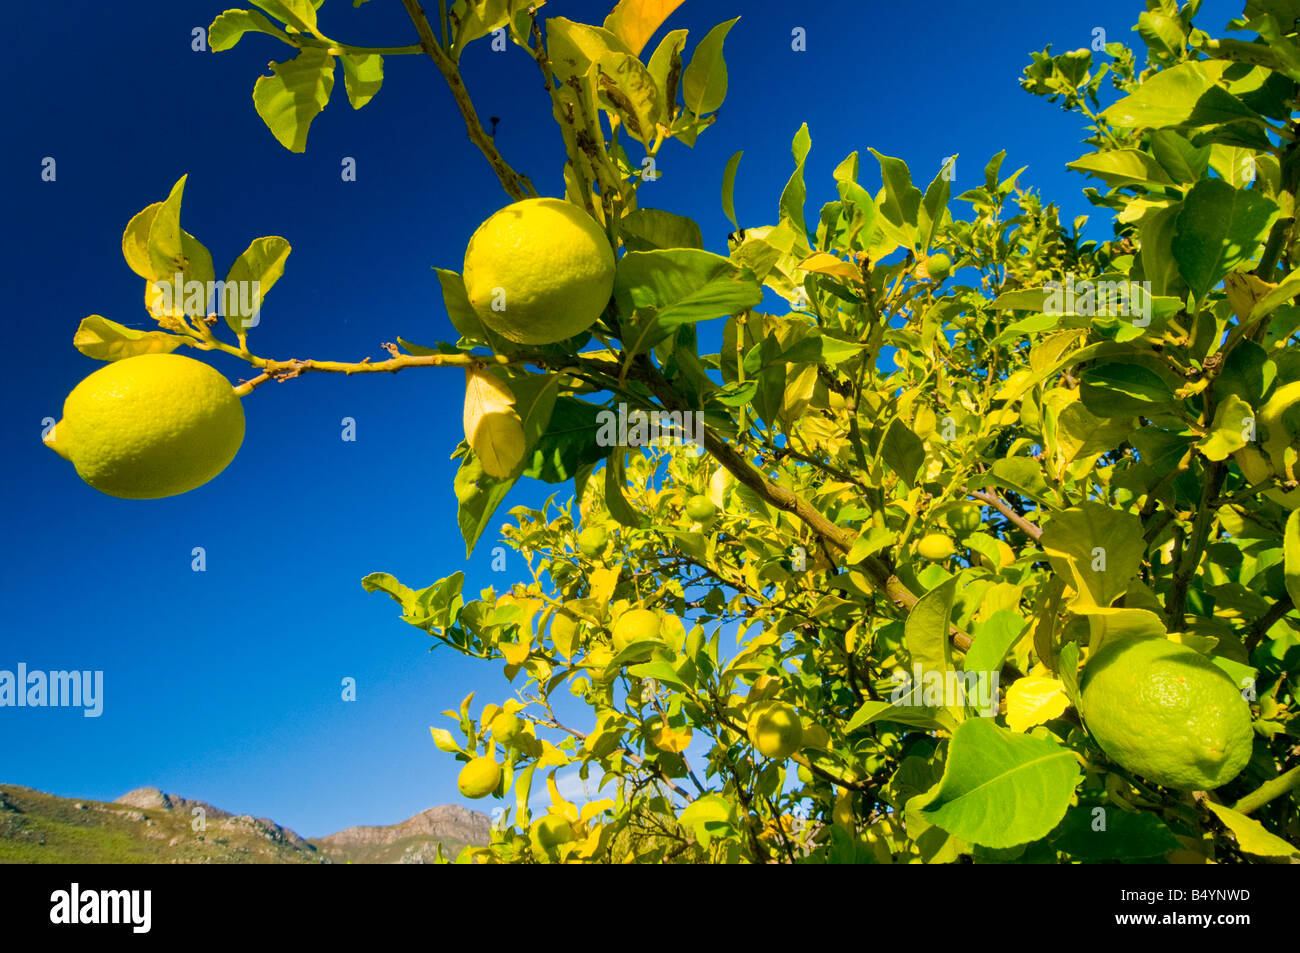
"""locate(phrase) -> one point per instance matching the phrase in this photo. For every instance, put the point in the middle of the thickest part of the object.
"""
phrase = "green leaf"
(1218, 229)
(934, 208)
(679, 286)
(795, 192)
(1123, 167)
(660, 671)
(478, 495)
(1115, 389)
(261, 262)
(1182, 95)
(1000, 788)
(665, 68)
(918, 716)
(993, 640)
(925, 634)
(871, 540)
(647, 229)
(106, 340)
(1096, 549)
(445, 740)
(569, 443)
(615, 501)
(135, 241)
(903, 451)
(1233, 419)
(1291, 556)
(729, 189)
(174, 251)
(1023, 475)
(573, 47)
(462, 315)
(901, 207)
(294, 95)
(1252, 836)
(229, 28)
(363, 74)
(626, 87)
(1104, 832)
(299, 14)
(473, 19)
(704, 82)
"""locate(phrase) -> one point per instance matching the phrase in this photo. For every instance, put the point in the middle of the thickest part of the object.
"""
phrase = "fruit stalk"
(1269, 790)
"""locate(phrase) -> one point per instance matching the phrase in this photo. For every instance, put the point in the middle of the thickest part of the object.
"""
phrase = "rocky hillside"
(413, 841)
(149, 826)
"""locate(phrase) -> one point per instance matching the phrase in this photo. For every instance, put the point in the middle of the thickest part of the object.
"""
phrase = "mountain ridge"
(148, 825)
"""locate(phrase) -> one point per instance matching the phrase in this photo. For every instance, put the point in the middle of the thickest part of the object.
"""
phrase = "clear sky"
(224, 685)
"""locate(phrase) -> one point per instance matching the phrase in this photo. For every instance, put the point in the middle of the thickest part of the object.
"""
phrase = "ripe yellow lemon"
(1166, 712)
(635, 625)
(479, 778)
(775, 730)
(935, 547)
(551, 831)
(150, 426)
(539, 271)
(506, 728)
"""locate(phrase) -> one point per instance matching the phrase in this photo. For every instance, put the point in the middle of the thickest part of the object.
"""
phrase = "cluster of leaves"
(1111, 464)
(1130, 471)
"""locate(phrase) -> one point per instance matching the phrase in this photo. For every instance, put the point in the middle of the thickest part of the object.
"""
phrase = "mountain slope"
(149, 826)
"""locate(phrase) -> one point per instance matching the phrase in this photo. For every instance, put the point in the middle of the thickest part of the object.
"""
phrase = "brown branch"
(517, 186)
(1034, 531)
(1265, 622)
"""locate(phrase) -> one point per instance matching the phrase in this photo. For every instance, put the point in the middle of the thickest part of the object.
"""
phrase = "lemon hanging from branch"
(150, 426)
(539, 271)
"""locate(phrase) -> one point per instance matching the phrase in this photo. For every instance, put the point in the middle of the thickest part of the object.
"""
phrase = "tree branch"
(517, 186)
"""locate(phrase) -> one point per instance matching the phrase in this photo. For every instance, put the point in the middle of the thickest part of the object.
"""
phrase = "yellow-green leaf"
(635, 21)
(106, 340)
(1033, 700)
(1252, 836)
(493, 428)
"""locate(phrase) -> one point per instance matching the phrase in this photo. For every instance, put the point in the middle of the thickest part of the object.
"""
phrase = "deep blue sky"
(225, 685)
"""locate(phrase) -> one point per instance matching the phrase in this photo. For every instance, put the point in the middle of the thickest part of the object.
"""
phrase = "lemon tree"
(775, 648)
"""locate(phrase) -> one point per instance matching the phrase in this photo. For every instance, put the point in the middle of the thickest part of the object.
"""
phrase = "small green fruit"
(775, 730)
(938, 267)
(592, 541)
(701, 509)
(963, 518)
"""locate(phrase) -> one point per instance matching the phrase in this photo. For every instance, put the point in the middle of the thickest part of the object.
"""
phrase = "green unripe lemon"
(701, 509)
(506, 727)
(1166, 712)
(938, 266)
(479, 778)
(963, 519)
(635, 625)
(592, 541)
(539, 271)
(935, 547)
(775, 730)
(150, 426)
